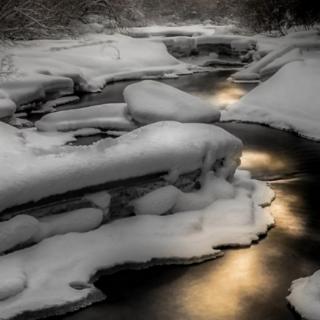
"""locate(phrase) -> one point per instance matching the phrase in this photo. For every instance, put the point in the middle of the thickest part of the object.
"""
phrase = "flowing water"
(250, 283)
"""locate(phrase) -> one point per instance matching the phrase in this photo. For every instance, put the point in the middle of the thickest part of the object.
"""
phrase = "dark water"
(245, 284)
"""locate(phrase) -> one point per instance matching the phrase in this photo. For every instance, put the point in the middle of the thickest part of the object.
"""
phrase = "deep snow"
(288, 100)
(56, 272)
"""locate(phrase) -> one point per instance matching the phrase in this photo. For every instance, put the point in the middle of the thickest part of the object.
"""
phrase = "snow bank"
(57, 271)
(150, 101)
(288, 100)
(279, 51)
(187, 31)
(47, 69)
(106, 116)
(304, 296)
(164, 147)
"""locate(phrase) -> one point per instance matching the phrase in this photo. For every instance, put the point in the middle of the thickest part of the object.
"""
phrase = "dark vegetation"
(29, 19)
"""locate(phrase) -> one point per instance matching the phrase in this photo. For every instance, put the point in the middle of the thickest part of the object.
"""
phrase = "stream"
(245, 284)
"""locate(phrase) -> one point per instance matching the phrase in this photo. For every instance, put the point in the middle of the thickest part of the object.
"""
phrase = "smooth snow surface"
(106, 116)
(48, 69)
(49, 274)
(277, 52)
(305, 296)
(24, 229)
(289, 100)
(151, 101)
(163, 147)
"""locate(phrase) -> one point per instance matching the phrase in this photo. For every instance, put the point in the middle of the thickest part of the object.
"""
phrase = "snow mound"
(81, 220)
(171, 199)
(150, 101)
(48, 69)
(24, 229)
(59, 273)
(288, 100)
(304, 296)
(159, 148)
(106, 116)
(16, 231)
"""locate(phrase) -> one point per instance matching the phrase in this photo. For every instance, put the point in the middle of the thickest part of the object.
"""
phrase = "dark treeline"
(28, 19)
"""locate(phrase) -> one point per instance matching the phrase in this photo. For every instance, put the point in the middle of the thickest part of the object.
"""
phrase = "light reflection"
(252, 159)
(226, 94)
(225, 290)
(285, 209)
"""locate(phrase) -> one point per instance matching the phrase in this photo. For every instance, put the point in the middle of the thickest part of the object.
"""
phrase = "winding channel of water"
(250, 283)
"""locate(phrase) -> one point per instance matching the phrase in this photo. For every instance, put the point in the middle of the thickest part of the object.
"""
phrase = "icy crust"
(304, 296)
(288, 100)
(106, 116)
(163, 147)
(150, 101)
(55, 274)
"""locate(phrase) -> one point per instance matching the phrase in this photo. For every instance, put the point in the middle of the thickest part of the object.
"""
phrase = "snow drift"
(34, 173)
(54, 276)
(288, 100)
(304, 296)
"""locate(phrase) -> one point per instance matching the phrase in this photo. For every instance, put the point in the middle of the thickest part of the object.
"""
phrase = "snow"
(288, 100)
(100, 200)
(56, 272)
(162, 147)
(304, 296)
(16, 231)
(81, 220)
(171, 199)
(105, 116)
(24, 229)
(150, 101)
(277, 52)
(48, 69)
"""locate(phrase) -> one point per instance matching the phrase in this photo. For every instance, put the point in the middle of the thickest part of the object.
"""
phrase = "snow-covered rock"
(16, 231)
(171, 199)
(276, 52)
(288, 100)
(150, 101)
(47, 69)
(106, 116)
(163, 147)
(81, 220)
(305, 296)
(54, 275)
(25, 229)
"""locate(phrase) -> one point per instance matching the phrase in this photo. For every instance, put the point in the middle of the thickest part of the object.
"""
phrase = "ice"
(163, 147)
(288, 100)
(105, 116)
(150, 101)
(304, 296)
(54, 275)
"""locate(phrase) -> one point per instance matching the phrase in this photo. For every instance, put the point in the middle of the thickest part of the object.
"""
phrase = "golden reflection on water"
(252, 159)
(226, 94)
(285, 209)
(226, 289)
